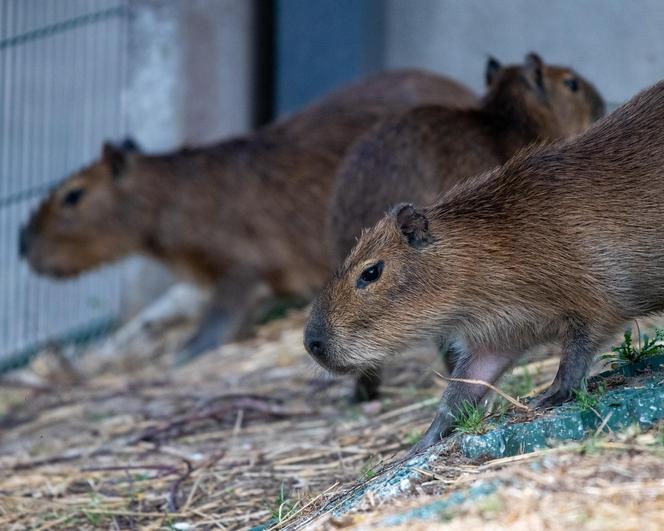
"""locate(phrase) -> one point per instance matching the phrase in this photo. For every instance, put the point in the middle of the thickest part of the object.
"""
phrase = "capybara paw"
(193, 348)
(550, 399)
(427, 441)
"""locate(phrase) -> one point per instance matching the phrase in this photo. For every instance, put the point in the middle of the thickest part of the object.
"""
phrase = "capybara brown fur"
(564, 243)
(416, 155)
(421, 153)
(237, 216)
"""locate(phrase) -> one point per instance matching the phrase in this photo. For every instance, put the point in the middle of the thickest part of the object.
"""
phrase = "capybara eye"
(572, 83)
(73, 197)
(370, 274)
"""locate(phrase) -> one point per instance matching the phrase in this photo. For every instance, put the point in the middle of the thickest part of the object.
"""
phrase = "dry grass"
(606, 485)
(244, 434)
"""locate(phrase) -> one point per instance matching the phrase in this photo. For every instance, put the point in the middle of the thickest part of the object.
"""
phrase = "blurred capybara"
(563, 243)
(421, 153)
(241, 214)
(416, 155)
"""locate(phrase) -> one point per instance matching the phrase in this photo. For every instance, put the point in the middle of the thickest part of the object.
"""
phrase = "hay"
(247, 433)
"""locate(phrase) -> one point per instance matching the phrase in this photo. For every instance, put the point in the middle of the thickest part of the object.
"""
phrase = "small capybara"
(237, 216)
(563, 243)
(419, 154)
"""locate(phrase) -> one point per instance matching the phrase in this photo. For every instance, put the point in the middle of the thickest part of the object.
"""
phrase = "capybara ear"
(130, 145)
(492, 67)
(534, 68)
(115, 159)
(413, 225)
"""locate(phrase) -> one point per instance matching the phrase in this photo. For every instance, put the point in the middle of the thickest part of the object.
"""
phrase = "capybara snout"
(368, 294)
(316, 338)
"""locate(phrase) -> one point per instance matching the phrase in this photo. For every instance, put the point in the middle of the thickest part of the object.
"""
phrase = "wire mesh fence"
(63, 73)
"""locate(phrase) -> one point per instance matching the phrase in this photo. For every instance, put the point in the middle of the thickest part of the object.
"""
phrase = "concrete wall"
(190, 82)
(322, 44)
(191, 71)
(192, 62)
(616, 44)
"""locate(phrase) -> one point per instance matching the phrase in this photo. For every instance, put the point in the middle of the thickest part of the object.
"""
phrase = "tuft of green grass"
(469, 419)
(589, 447)
(282, 506)
(94, 514)
(95, 518)
(489, 505)
(519, 386)
(449, 514)
(627, 352)
(585, 400)
(368, 469)
(413, 437)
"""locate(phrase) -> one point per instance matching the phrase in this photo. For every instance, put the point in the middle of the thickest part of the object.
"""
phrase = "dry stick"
(36, 387)
(250, 404)
(604, 421)
(168, 469)
(192, 491)
(507, 397)
(208, 463)
(112, 512)
(310, 502)
(63, 458)
(173, 491)
(53, 523)
(638, 333)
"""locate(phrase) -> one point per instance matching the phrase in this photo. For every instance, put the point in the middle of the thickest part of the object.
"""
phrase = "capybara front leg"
(484, 365)
(232, 305)
(575, 362)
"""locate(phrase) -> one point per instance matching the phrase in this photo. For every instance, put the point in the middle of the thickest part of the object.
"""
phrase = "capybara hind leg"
(575, 362)
(232, 306)
(486, 366)
(367, 386)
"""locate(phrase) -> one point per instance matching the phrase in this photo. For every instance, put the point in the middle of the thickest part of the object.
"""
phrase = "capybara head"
(548, 93)
(85, 221)
(369, 308)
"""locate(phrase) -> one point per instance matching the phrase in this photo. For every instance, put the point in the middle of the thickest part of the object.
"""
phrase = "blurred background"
(74, 73)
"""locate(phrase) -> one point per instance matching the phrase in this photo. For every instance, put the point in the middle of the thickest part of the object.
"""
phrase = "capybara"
(237, 216)
(419, 154)
(563, 243)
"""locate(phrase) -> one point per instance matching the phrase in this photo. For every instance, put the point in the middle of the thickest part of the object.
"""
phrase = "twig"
(604, 421)
(36, 387)
(507, 397)
(251, 404)
(63, 458)
(164, 468)
(173, 491)
(309, 503)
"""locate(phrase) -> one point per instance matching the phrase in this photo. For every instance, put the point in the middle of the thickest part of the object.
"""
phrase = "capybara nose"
(316, 348)
(23, 242)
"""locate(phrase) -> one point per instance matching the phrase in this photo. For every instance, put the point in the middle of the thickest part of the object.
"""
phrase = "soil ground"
(254, 432)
